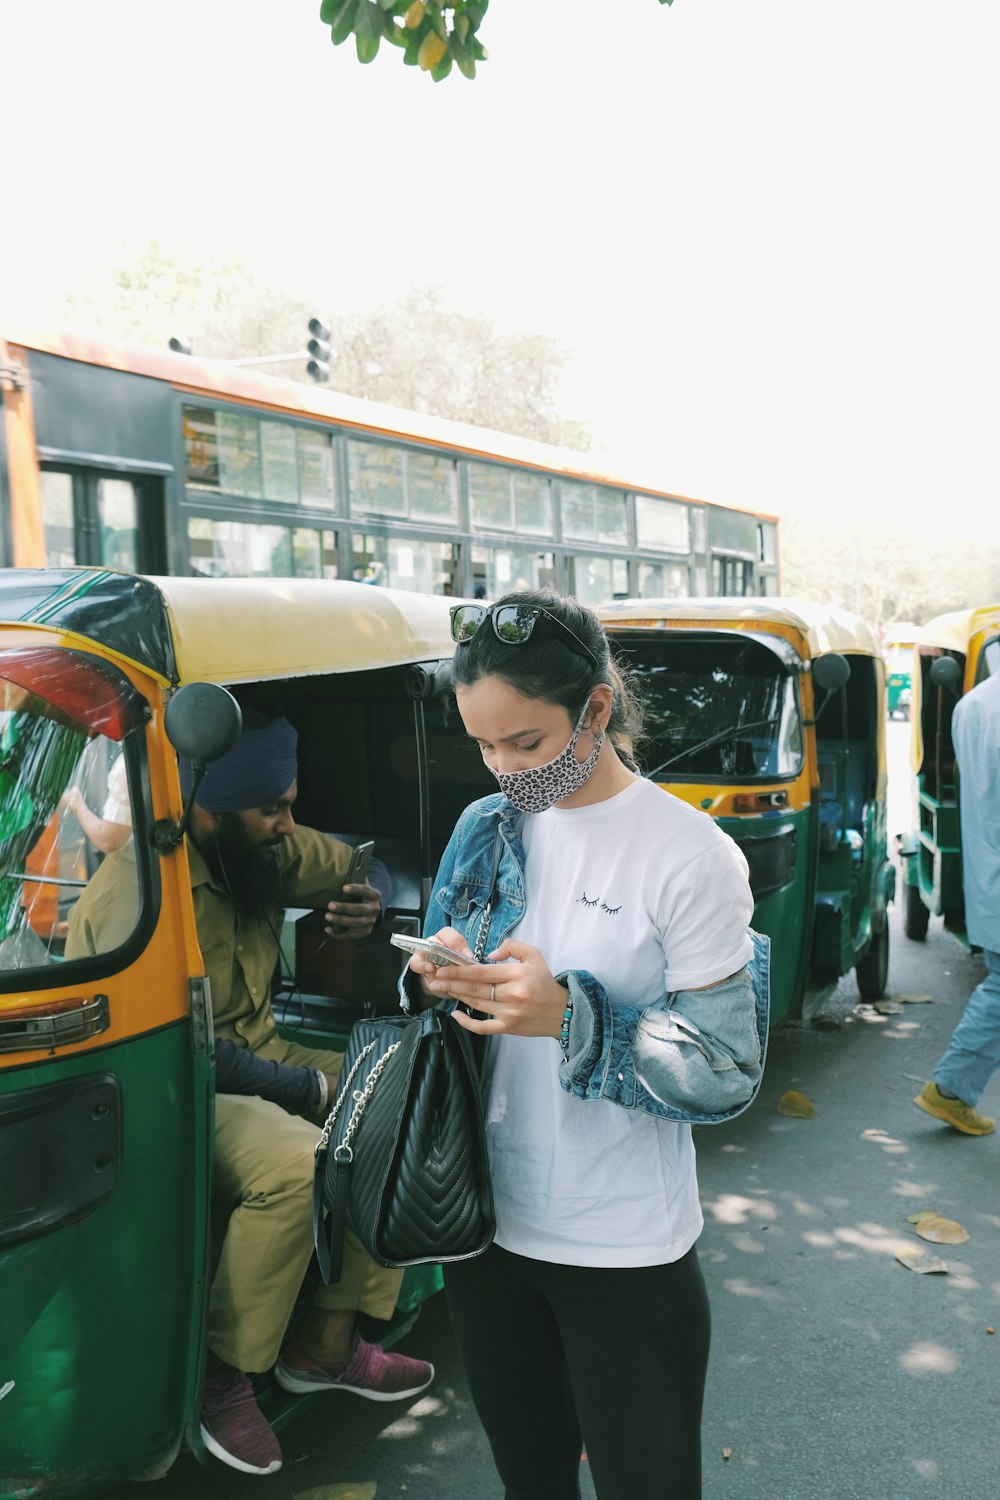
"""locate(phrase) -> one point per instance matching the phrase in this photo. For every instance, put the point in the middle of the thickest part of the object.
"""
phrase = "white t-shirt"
(117, 808)
(649, 896)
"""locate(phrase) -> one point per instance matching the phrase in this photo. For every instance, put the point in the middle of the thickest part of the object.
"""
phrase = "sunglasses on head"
(512, 625)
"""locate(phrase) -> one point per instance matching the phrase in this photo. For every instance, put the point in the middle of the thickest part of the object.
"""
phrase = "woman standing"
(623, 998)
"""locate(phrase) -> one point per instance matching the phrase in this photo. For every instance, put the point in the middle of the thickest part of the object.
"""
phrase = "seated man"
(248, 859)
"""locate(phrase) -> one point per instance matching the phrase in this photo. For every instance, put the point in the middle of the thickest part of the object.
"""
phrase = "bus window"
(118, 524)
(501, 570)
(409, 563)
(731, 577)
(663, 581)
(597, 580)
(56, 488)
(236, 549)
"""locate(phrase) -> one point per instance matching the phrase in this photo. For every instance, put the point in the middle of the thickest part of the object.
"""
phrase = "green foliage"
(433, 34)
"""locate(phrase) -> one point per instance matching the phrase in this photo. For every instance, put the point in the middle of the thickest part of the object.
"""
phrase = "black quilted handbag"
(402, 1156)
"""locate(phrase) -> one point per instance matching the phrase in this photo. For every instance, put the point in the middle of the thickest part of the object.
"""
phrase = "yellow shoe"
(953, 1112)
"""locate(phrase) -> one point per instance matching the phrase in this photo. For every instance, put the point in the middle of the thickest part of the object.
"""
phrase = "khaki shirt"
(240, 952)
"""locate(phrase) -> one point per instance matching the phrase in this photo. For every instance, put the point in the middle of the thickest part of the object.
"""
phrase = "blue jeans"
(973, 1054)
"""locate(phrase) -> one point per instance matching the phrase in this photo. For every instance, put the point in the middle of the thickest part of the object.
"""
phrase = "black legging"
(622, 1354)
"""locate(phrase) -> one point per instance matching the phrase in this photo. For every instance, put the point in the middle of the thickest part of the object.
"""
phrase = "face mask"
(538, 788)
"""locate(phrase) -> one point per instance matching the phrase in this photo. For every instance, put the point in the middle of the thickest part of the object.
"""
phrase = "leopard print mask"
(537, 788)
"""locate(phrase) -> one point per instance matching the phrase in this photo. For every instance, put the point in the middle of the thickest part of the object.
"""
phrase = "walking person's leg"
(514, 1362)
(971, 1059)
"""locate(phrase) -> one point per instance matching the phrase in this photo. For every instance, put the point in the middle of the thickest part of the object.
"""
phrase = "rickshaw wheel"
(872, 971)
(916, 917)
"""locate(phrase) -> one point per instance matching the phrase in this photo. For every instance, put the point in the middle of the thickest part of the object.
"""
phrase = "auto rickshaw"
(898, 642)
(769, 715)
(953, 652)
(106, 1063)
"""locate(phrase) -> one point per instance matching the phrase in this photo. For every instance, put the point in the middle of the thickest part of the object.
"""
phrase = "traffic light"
(181, 346)
(318, 349)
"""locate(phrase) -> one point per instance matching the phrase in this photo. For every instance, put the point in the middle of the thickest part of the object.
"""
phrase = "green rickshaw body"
(106, 1062)
(952, 653)
(770, 716)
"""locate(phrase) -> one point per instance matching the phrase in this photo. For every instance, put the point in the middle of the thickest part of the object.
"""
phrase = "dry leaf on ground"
(888, 1007)
(915, 1259)
(916, 999)
(727, 1453)
(797, 1105)
(940, 1231)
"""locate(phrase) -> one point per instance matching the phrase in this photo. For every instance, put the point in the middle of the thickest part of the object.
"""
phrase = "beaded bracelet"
(567, 1017)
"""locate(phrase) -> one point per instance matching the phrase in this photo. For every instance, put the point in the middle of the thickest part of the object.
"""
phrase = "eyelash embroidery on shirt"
(612, 911)
(585, 901)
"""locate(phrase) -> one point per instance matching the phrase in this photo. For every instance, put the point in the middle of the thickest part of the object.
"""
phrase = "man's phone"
(435, 953)
(361, 860)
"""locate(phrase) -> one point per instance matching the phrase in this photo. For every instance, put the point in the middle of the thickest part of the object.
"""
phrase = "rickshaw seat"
(843, 774)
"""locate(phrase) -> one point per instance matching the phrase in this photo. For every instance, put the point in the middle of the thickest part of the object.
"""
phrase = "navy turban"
(259, 768)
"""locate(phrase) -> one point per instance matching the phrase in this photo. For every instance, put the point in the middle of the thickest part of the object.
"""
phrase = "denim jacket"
(694, 1056)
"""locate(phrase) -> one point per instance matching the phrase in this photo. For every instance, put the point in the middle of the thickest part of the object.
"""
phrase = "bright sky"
(765, 229)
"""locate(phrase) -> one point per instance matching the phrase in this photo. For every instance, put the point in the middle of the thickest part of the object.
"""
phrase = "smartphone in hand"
(361, 861)
(435, 953)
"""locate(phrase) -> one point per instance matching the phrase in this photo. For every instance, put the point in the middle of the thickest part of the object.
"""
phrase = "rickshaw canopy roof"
(823, 627)
(954, 631)
(231, 630)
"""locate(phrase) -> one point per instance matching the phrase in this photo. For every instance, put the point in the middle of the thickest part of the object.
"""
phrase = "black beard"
(249, 871)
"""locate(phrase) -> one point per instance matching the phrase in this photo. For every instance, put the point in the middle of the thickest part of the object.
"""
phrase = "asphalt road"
(836, 1372)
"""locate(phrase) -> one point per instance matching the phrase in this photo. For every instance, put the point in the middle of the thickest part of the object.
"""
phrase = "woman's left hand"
(520, 999)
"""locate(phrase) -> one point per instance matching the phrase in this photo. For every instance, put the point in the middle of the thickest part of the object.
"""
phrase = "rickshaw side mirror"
(428, 679)
(831, 671)
(945, 672)
(202, 722)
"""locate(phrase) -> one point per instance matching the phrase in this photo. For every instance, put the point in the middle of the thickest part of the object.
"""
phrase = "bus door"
(102, 519)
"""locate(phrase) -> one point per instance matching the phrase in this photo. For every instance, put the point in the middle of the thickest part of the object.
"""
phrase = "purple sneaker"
(233, 1427)
(370, 1372)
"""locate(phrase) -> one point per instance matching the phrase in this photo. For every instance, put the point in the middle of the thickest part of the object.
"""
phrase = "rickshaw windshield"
(718, 707)
(63, 716)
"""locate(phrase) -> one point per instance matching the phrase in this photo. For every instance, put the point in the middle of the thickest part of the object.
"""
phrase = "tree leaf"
(940, 1231)
(796, 1105)
(343, 22)
(414, 15)
(432, 50)
(915, 1259)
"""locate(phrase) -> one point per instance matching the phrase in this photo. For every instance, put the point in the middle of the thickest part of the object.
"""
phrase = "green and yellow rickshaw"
(769, 714)
(952, 654)
(898, 640)
(106, 1062)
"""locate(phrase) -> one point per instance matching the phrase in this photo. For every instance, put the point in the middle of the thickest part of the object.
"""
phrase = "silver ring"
(493, 994)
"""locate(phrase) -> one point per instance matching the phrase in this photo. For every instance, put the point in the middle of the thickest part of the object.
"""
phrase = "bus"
(158, 462)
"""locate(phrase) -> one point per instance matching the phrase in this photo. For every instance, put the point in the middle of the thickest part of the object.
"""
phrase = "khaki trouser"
(264, 1175)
